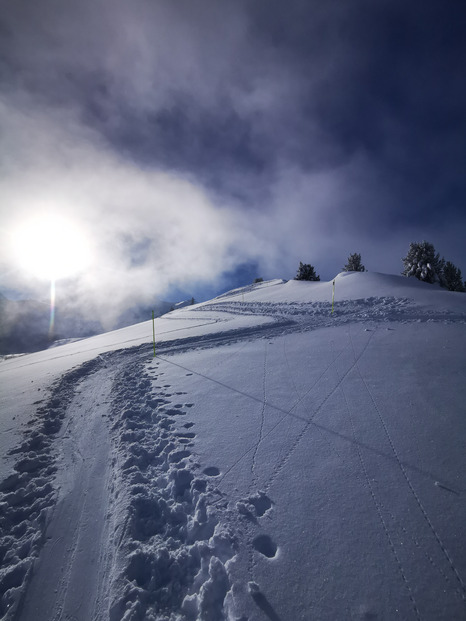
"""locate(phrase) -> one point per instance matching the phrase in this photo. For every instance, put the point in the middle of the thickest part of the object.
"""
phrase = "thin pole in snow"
(153, 331)
(333, 295)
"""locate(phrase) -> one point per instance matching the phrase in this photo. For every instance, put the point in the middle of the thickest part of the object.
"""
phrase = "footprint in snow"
(174, 412)
(255, 506)
(261, 601)
(176, 456)
(265, 545)
(211, 471)
(261, 503)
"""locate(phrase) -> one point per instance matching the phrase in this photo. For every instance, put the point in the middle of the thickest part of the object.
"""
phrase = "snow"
(273, 461)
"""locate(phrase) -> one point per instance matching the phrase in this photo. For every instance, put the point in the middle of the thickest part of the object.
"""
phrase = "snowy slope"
(273, 461)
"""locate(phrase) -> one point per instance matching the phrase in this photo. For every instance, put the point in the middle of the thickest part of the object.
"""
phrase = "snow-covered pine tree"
(354, 264)
(423, 263)
(453, 280)
(306, 272)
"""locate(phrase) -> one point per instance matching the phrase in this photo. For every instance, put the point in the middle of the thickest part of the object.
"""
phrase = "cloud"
(147, 230)
(188, 139)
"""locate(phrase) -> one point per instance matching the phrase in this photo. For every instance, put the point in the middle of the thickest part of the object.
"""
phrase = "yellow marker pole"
(333, 297)
(153, 331)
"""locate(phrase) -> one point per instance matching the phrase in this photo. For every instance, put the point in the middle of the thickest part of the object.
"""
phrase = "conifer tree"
(354, 264)
(453, 280)
(423, 263)
(306, 272)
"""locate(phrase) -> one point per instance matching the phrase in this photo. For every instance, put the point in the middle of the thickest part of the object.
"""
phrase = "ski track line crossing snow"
(254, 474)
(379, 511)
(249, 537)
(290, 374)
(324, 436)
(286, 413)
(420, 548)
(227, 359)
(274, 328)
(280, 465)
(109, 348)
(380, 506)
(408, 480)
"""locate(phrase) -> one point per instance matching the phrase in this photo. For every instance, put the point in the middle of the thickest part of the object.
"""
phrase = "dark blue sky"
(305, 131)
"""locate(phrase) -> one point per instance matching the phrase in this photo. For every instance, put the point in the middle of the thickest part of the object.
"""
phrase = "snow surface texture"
(274, 461)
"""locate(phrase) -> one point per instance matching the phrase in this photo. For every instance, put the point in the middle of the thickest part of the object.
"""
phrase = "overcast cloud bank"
(186, 141)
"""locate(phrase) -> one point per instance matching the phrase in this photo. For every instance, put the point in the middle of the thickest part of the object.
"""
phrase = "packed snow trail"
(69, 579)
(172, 547)
(29, 494)
(111, 543)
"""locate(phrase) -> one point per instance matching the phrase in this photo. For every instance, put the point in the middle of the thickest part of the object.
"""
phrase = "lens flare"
(52, 309)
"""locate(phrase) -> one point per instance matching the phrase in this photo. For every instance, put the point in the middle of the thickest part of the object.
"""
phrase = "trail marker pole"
(153, 331)
(333, 297)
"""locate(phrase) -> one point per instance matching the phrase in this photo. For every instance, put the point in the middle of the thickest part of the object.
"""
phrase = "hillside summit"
(274, 460)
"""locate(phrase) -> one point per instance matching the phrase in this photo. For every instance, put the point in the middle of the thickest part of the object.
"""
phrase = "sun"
(50, 247)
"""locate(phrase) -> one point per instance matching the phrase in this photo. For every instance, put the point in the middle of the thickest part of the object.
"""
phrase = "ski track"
(173, 531)
(408, 481)
(399, 545)
(254, 474)
(285, 414)
(284, 460)
(378, 508)
(318, 314)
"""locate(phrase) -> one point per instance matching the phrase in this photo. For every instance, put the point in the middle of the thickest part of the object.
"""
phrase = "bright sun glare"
(50, 248)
